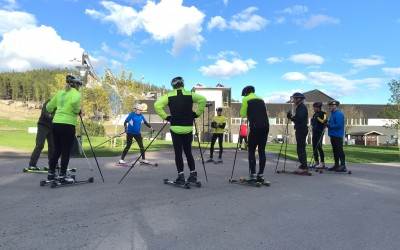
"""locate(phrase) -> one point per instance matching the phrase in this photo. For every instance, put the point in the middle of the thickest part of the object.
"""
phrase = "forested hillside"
(109, 95)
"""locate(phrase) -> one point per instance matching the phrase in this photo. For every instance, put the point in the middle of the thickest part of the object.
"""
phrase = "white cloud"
(243, 21)
(272, 60)
(225, 2)
(11, 20)
(364, 62)
(294, 76)
(45, 49)
(306, 58)
(278, 97)
(226, 69)
(217, 22)
(295, 10)
(167, 20)
(391, 71)
(10, 5)
(224, 55)
(316, 20)
(125, 18)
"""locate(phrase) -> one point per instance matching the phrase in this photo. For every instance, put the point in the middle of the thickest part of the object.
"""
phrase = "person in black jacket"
(253, 108)
(318, 127)
(43, 132)
(300, 120)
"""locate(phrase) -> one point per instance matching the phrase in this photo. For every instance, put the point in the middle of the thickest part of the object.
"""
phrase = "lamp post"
(82, 72)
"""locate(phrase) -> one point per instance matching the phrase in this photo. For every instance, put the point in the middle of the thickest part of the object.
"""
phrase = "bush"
(93, 128)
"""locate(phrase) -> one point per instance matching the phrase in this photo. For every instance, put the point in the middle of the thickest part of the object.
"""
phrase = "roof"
(316, 96)
(366, 133)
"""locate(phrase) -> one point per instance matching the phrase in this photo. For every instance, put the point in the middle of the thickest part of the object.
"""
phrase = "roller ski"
(147, 163)
(179, 182)
(254, 181)
(34, 169)
(299, 171)
(193, 179)
(334, 169)
(61, 180)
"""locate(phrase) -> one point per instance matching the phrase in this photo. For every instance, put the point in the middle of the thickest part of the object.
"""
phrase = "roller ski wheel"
(185, 185)
(42, 183)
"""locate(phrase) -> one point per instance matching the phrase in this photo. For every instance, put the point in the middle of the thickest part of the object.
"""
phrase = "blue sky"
(347, 49)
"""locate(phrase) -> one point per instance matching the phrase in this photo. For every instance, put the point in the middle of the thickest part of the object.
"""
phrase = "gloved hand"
(152, 129)
(289, 114)
(168, 118)
(126, 127)
(326, 123)
(195, 115)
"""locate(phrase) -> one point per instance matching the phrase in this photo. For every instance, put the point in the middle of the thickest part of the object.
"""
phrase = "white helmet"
(138, 106)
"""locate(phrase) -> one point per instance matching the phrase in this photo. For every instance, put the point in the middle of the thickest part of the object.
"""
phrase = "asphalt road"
(323, 211)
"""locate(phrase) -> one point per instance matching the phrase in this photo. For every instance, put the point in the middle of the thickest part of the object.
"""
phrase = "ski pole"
(115, 136)
(133, 165)
(80, 146)
(201, 152)
(280, 151)
(237, 146)
(87, 135)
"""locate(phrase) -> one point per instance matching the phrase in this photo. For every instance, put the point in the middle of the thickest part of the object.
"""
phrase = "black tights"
(213, 140)
(64, 136)
(138, 139)
(257, 137)
(183, 142)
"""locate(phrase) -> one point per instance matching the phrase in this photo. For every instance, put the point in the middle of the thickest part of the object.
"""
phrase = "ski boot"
(341, 169)
(144, 161)
(252, 178)
(219, 160)
(180, 180)
(121, 161)
(333, 168)
(260, 178)
(192, 177)
(34, 168)
(320, 166)
(314, 165)
(65, 179)
(210, 160)
(51, 176)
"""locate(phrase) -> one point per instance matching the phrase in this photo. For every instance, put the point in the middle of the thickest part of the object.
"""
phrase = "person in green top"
(218, 124)
(180, 103)
(67, 104)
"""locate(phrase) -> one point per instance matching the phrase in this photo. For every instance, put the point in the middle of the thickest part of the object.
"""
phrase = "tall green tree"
(392, 109)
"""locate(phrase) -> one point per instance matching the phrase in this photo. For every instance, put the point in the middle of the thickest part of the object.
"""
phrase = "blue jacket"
(134, 122)
(336, 124)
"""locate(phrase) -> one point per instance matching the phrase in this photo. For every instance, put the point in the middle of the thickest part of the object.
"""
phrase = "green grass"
(14, 134)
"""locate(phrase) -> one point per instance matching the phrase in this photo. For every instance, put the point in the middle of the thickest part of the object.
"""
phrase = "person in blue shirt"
(335, 126)
(133, 124)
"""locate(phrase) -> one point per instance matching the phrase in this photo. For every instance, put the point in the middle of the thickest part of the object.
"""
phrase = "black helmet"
(333, 102)
(298, 95)
(317, 104)
(177, 82)
(247, 90)
(73, 80)
(219, 109)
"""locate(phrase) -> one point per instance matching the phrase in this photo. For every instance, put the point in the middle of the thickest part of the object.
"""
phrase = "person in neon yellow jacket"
(180, 102)
(67, 103)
